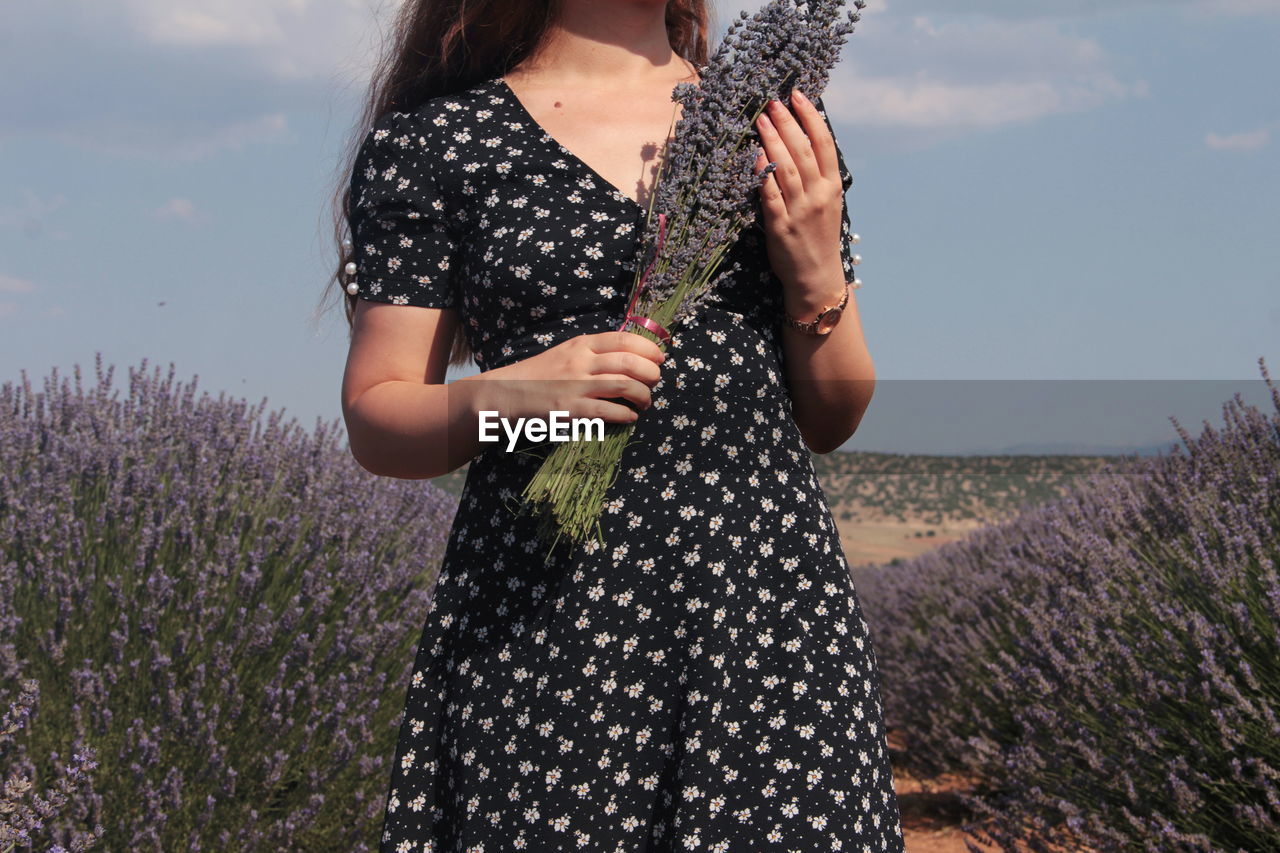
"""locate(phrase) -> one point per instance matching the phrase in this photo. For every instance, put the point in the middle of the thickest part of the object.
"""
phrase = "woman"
(702, 678)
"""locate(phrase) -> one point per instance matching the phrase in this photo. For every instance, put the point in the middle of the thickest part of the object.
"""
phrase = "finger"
(761, 162)
(636, 366)
(771, 200)
(820, 138)
(617, 385)
(612, 413)
(797, 142)
(786, 174)
(602, 342)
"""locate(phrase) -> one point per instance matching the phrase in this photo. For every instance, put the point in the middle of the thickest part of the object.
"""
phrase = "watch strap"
(811, 327)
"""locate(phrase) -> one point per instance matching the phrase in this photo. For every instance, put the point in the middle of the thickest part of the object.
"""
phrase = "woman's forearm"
(831, 377)
(414, 431)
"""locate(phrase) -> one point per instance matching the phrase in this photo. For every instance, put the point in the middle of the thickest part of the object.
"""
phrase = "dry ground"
(931, 814)
(874, 543)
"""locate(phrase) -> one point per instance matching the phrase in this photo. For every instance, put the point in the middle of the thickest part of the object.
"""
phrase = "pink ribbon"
(644, 322)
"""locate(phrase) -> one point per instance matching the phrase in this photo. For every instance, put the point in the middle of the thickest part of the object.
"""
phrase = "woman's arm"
(404, 421)
(831, 377)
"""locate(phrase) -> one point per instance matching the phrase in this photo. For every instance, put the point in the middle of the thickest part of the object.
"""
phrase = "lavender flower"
(1108, 665)
(709, 185)
(221, 604)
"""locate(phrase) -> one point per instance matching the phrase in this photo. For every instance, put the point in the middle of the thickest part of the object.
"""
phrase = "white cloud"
(1248, 141)
(898, 103)
(1243, 7)
(192, 25)
(290, 38)
(924, 73)
(182, 79)
(1058, 10)
(31, 213)
(920, 76)
(179, 208)
(182, 139)
(9, 284)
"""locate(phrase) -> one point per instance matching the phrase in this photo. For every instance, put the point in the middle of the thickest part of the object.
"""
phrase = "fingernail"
(796, 93)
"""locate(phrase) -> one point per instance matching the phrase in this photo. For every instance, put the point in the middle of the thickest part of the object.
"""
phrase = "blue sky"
(1045, 192)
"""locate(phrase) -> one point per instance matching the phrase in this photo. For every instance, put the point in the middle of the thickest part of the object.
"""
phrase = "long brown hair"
(438, 47)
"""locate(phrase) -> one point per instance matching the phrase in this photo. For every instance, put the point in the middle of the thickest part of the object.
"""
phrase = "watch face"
(828, 321)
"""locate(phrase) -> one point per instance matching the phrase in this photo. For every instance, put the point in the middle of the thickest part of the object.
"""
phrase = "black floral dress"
(701, 679)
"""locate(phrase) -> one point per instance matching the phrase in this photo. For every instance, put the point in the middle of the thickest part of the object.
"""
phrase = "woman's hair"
(442, 46)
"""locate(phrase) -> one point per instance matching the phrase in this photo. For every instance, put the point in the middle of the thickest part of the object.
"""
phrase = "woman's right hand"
(577, 376)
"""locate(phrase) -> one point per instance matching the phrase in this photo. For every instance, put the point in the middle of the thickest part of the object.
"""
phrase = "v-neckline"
(583, 164)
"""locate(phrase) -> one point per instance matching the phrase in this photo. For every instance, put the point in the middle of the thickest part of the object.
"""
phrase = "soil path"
(931, 813)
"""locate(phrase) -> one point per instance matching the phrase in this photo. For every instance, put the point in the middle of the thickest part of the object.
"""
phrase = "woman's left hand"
(801, 202)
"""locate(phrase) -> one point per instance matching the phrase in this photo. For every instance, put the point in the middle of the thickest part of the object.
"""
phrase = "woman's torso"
(717, 470)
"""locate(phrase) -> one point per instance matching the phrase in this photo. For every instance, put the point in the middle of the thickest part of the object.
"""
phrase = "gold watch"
(824, 322)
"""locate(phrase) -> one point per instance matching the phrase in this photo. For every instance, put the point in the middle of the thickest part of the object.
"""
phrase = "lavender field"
(1107, 666)
(217, 605)
(209, 618)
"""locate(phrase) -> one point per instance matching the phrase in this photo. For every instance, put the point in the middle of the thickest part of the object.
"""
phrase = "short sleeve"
(846, 180)
(404, 246)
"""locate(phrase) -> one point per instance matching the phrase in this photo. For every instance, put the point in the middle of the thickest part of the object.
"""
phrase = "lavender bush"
(1108, 665)
(223, 606)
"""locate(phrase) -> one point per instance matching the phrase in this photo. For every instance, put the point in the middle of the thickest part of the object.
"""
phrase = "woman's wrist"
(469, 396)
(804, 299)
(489, 391)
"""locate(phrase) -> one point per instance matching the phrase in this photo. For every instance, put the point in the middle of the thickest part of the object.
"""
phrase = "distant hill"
(1069, 449)
(935, 490)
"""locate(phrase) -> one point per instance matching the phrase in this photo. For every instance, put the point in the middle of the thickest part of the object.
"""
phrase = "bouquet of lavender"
(705, 195)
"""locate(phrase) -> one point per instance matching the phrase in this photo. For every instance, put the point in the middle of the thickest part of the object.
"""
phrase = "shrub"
(224, 606)
(1107, 665)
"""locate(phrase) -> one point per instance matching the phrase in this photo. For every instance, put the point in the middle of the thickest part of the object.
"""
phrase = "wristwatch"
(824, 322)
